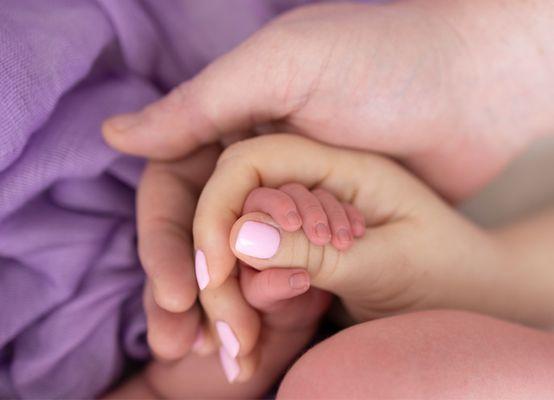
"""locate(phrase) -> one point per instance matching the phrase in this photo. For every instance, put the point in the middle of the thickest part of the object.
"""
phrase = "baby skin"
(289, 309)
(418, 254)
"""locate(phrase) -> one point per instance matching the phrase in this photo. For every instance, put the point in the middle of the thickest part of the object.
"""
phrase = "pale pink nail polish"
(256, 239)
(201, 269)
(230, 365)
(228, 338)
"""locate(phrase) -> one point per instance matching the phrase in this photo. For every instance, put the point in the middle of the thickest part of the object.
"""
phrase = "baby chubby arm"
(525, 288)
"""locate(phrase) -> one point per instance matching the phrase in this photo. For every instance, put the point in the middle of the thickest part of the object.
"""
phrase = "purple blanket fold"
(70, 281)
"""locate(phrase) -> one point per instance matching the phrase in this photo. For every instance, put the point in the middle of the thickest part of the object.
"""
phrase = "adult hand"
(431, 83)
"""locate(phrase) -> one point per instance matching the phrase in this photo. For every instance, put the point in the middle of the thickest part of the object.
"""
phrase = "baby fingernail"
(256, 239)
(299, 281)
(344, 236)
(322, 231)
(293, 218)
(201, 269)
(230, 366)
(228, 338)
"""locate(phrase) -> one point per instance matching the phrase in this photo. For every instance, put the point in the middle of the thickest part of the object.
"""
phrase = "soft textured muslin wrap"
(70, 281)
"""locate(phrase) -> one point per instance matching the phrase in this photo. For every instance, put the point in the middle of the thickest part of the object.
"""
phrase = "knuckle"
(321, 262)
(329, 263)
(268, 282)
(173, 102)
(282, 202)
(320, 192)
(233, 151)
(338, 215)
(315, 210)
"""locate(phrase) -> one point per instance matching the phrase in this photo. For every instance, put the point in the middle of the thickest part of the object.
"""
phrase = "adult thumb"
(259, 242)
(230, 95)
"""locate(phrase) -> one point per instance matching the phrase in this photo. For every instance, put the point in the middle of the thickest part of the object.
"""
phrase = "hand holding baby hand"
(394, 268)
(416, 80)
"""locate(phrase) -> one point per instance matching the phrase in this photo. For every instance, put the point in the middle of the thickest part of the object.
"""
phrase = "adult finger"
(165, 207)
(232, 94)
(170, 335)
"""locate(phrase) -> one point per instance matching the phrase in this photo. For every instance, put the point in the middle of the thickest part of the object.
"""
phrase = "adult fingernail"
(344, 236)
(322, 231)
(228, 338)
(299, 281)
(256, 239)
(201, 269)
(294, 219)
(230, 365)
(124, 122)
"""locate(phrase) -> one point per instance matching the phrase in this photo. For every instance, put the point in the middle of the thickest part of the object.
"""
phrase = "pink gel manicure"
(228, 338)
(230, 365)
(256, 239)
(201, 269)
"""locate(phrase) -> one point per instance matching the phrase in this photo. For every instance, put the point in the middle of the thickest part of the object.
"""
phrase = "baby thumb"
(259, 242)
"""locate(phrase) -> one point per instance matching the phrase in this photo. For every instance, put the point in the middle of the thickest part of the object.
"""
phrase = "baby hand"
(323, 219)
(417, 254)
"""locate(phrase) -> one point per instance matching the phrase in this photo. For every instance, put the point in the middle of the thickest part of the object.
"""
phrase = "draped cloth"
(70, 281)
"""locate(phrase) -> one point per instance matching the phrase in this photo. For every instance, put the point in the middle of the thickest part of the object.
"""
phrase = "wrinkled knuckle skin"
(322, 262)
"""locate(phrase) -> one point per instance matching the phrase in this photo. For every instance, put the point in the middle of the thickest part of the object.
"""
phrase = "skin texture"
(289, 316)
(264, 292)
(228, 302)
(453, 89)
(164, 223)
(289, 320)
(423, 81)
(427, 355)
(395, 267)
(445, 352)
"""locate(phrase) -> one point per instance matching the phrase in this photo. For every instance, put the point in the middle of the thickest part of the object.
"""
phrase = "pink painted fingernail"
(230, 365)
(201, 269)
(228, 338)
(256, 239)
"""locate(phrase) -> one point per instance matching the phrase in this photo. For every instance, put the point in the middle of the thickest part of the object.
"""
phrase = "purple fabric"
(70, 281)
